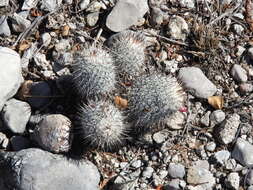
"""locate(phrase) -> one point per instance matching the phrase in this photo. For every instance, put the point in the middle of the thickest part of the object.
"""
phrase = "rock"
(228, 129)
(250, 177)
(210, 146)
(39, 89)
(4, 141)
(37, 169)
(84, 4)
(92, 18)
(161, 136)
(178, 28)
(125, 14)
(147, 172)
(194, 80)
(201, 177)
(156, 16)
(230, 164)
(190, 4)
(53, 133)
(29, 4)
(233, 181)
(18, 143)
(95, 6)
(176, 120)
(217, 117)
(4, 27)
(50, 5)
(136, 164)
(205, 119)
(176, 170)
(4, 3)
(69, 2)
(10, 72)
(250, 187)
(243, 152)
(19, 23)
(46, 39)
(250, 53)
(28, 54)
(245, 88)
(238, 73)
(16, 115)
(174, 184)
(239, 50)
(238, 29)
(222, 156)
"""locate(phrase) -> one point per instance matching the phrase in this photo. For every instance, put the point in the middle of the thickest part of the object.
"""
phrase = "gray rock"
(245, 88)
(217, 117)
(195, 81)
(18, 143)
(4, 141)
(250, 53)
(84, 4)
(10, 72)
(37, 169)
(161, 136)
(230, 164)
(28, 4)
(210, 146)
(92, 18)
(4, 27)
(176, 170)
(174, 184)
(156, 16)
(228, 129)
(19, 23)
(53, 133)
(136, 164)
(28, 54)
(233, 181)
(4, 3)
(40, 90)
(250, 187)
(238, 73)
(238, 29)
(222, 156)
(175, 120)
(205, 120)
(250, 177)
(243, 152)
(125, 14)
(50, 5)
(147, 172)
(16, 115)
(178, 28)
(239, 50)
(190, 4)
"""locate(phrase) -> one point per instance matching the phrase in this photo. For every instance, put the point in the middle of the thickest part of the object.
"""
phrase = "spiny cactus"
(152, 98)
(127, 49)
(94, 73)
(101, 125)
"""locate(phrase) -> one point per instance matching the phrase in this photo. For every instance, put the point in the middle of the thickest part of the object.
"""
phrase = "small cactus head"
(93, 73)
(101, 125)
(127, 49)
(153, 98)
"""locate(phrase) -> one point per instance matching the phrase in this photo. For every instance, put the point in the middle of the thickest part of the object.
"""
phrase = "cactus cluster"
(151, 97)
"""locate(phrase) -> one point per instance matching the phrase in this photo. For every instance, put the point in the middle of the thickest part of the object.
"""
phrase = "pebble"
(16, 115)
(176, 170)
(84, 4)
(190, 4)
(39, 89)
(228, 129)
(161, 136)
(28, 54)
(4, 141)
(19, 23)
(92, 19)
(233, 181)
(178, 28)
(95, 6)
(50, 5)
(18, 143)
(53, 133)
(176, 120)
(216, 117)
(238, 73)
(222, 156)
(243, 152)
(37, 169)
(210, 146)
(245, 88)
(195, 80)
(148, 172)
(46, 39)
(156, 16)
(11, 77)
(4, 3)
(205, 119)
(4, 27)
(239, 50)
(125, 14)
(136, 164)
(250, 177)
(250, 187)
(230, 164)
(29, 4)
(238, 29)
(250, 53)
(174, 184)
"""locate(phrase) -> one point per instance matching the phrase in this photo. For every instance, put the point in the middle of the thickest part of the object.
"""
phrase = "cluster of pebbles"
(119, 95)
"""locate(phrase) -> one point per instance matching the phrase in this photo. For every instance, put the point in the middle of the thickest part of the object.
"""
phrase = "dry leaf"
(249, 13)
(24, 45)
(35, 12)
(65, 30)
(159, 187)
(121, 102)
(216, 101)
(24, 90)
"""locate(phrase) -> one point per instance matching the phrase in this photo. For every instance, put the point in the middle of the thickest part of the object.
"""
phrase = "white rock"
(28, 4)
(205, 120)
(50, 5)
(217, 117)
(229, 128)
(178, 28)
(92, 18)
(238, 29)
(46, 39)
(10, 73)
(250, 177)
(250, 53)
(4, 27)
(125, 14)
(190, 4)
(233, 181)
(222, 156)
(238, 73)
(239, 50)
(195, 81)
(28, 54)
(84, 4)
(4, 3)
(176, 120)
(19, 23)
